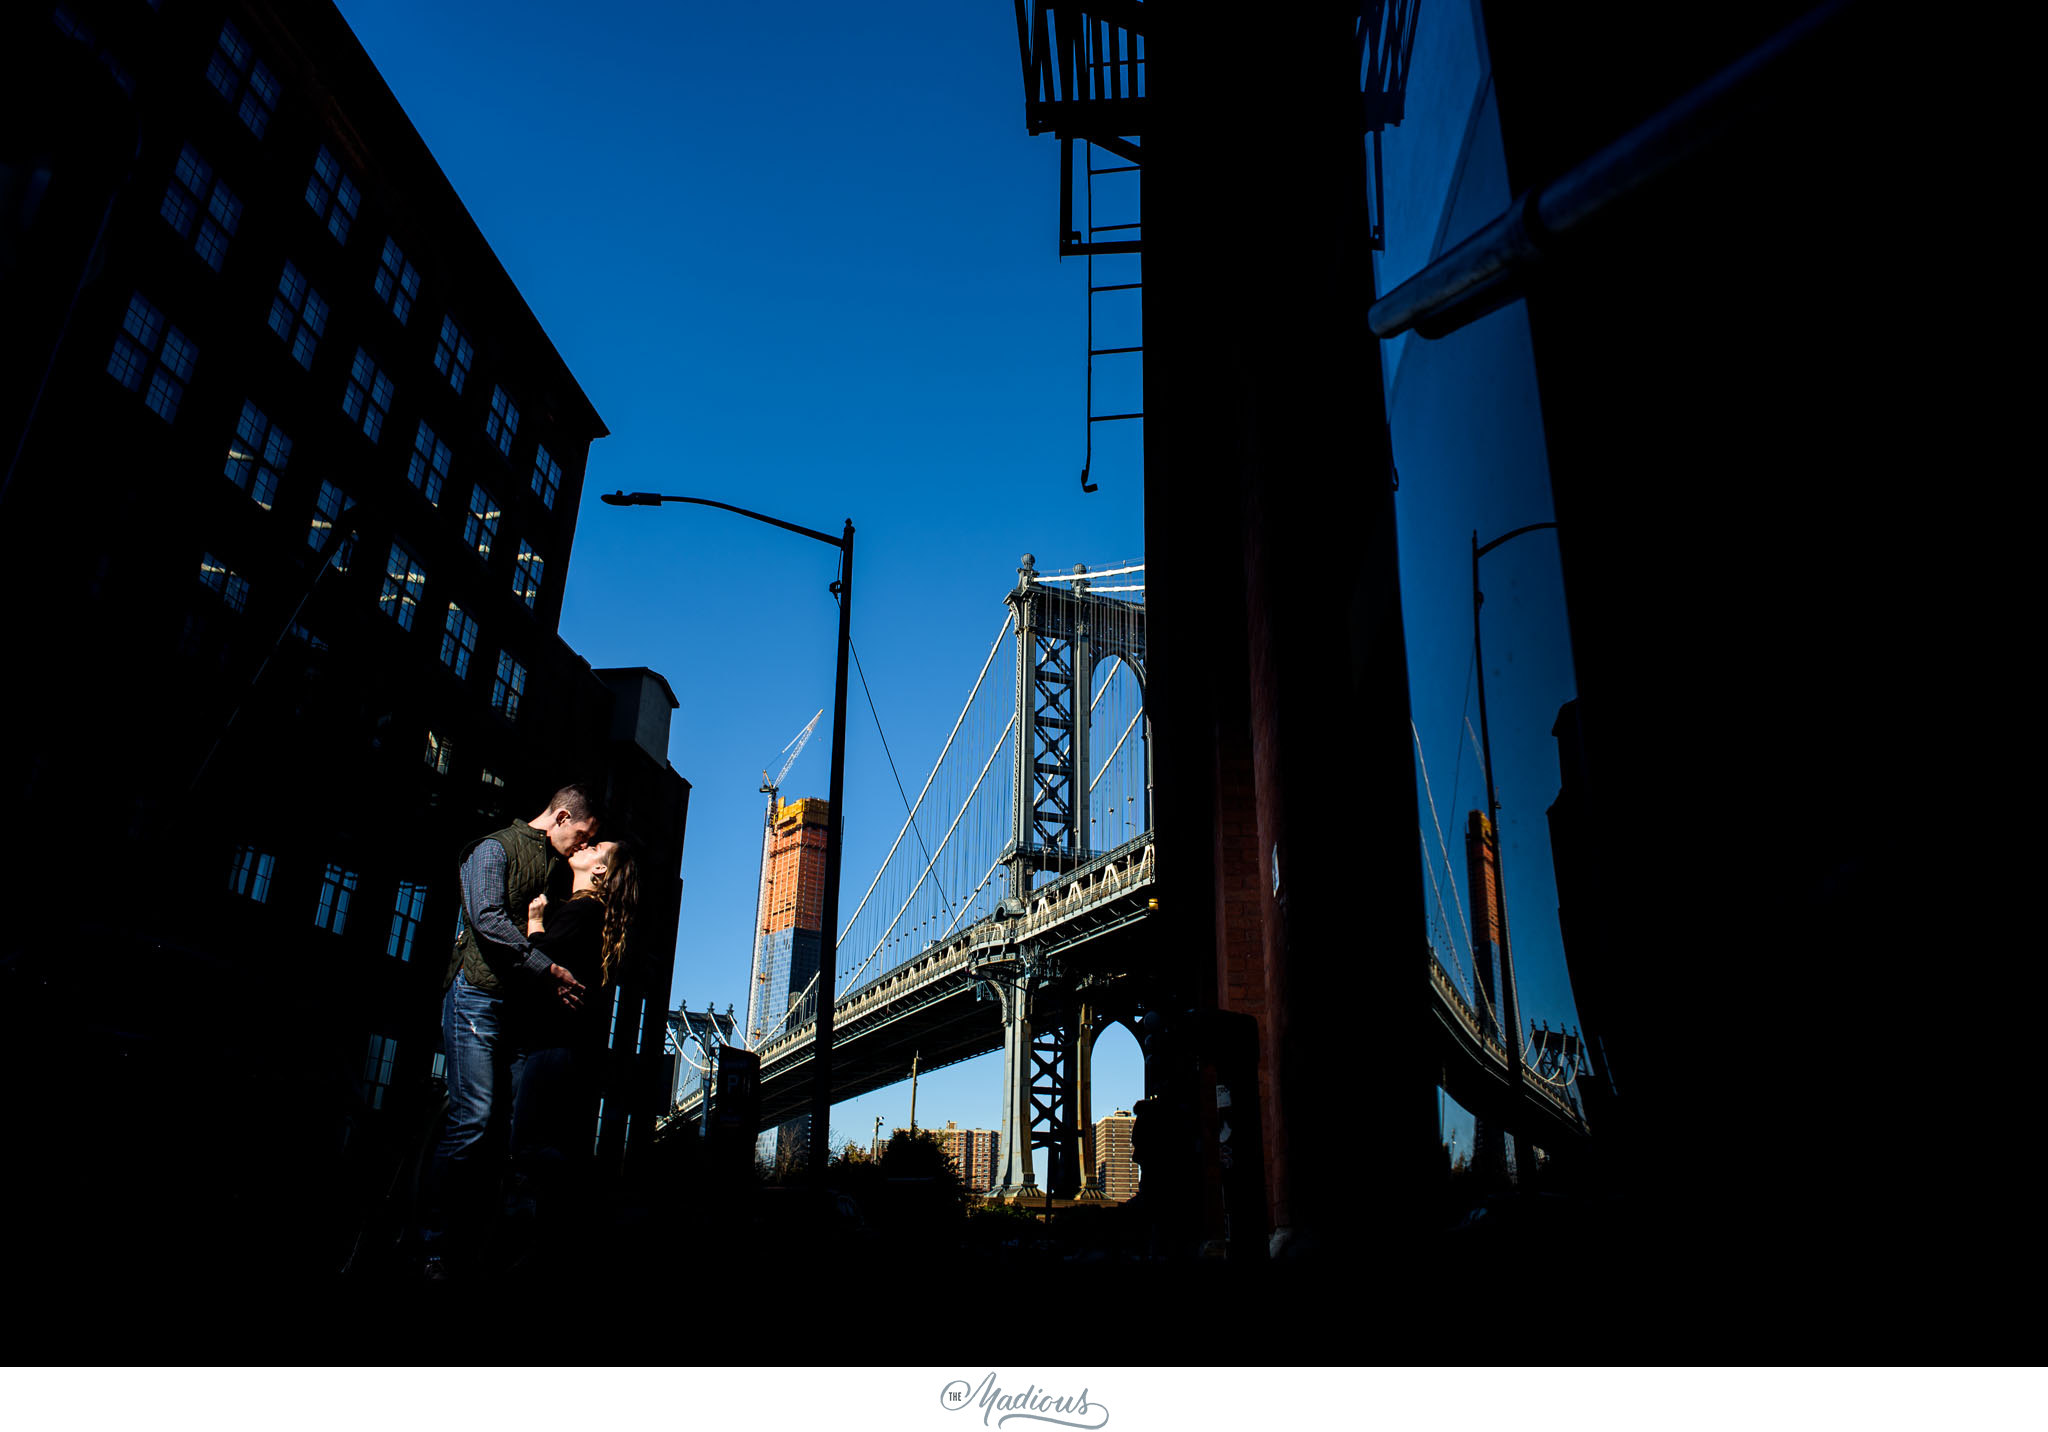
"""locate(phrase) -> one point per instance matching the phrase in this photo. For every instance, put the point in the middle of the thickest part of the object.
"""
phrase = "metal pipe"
(1510, 1004)
(828, 972)
(913, 1094)
(1485, 272)
(826, 981)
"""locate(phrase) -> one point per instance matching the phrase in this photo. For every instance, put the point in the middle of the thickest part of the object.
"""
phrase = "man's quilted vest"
(530, 861)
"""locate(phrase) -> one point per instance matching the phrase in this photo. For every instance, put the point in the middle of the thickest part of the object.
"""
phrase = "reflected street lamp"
(828, 958)
(339, 534)
(1510, 1007)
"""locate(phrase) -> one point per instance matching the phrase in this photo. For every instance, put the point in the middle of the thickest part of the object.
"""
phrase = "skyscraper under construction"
(788, 933)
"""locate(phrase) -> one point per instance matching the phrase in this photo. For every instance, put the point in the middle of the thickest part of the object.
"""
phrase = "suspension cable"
(1450, 875)
(993, 649)
(1136, 716)
(1086, 576)
(909, 816)
(794, 1006)
(994, 866)
(1429, 866)
(890, 928)
(1107, 677)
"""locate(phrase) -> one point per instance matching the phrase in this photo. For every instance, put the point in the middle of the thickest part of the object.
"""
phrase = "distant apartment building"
(789, 934)
(973, 1152)
(300, 470)
(1116, 1174)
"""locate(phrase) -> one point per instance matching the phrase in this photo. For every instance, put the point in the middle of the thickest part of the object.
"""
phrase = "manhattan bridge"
(1012, 908)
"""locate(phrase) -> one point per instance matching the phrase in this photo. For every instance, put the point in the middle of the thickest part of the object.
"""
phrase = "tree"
(919, 1155)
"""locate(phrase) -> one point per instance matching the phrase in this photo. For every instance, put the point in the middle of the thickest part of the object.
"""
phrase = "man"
(493, 962)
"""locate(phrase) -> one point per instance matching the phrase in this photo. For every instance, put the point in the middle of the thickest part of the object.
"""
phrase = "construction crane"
(771, 787)
(795, 749)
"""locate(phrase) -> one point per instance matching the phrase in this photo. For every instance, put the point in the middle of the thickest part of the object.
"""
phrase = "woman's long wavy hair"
(621, 894)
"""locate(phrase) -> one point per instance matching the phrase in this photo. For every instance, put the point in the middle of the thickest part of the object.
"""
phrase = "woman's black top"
(574, 939)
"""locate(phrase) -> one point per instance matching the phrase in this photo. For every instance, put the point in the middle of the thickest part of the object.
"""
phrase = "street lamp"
(1510, 1010)
(828, 961)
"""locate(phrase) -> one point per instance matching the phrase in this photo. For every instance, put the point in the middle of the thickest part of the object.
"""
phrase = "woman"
(558, 1054)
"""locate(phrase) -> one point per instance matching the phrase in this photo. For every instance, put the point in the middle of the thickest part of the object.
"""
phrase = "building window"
(368, 397)
(405, 920)
(547, 476)
(398, 282)
(458, 641)
(257, 455)
(152, 358)
(508, 686)
(440, 750)
(201, 208)
(243, 80)
(403, 583)
(429, 466)
(480, 527)
(491, 778)
(503, 421)
(232, 588)
(452, 354)
(332, 194)
(377, 1067)
(337, 886)
(440, 1064)
(250, 873)
(526, 576)
(327, 510)
(298, 315)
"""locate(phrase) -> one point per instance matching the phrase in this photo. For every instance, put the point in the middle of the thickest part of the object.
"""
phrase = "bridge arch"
(1114, 1068)
(1120, 777)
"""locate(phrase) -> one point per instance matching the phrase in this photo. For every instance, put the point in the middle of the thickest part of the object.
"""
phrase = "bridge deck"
(933, 1006)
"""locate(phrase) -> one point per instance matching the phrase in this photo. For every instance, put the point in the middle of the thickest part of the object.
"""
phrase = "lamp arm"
(1532, 527)
(651, 499)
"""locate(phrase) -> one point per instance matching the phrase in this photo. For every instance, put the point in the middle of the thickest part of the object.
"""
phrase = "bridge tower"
(1064, 634)
(1049, 1034)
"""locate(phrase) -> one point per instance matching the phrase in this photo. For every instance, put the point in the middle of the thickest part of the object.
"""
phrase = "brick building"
(973, 1152)
(1116, 1174)
(294, 472)
(792, 919)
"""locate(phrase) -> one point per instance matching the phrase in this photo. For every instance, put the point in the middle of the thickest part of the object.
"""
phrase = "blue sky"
(802, 260)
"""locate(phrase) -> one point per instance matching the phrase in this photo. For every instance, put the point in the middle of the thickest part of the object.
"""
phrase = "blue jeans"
(554, 1118)
(465, 1173)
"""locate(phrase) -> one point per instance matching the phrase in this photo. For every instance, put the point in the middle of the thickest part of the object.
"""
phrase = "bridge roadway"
(932, 1006)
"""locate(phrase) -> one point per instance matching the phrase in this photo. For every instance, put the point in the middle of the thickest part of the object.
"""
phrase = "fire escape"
(1085, 82)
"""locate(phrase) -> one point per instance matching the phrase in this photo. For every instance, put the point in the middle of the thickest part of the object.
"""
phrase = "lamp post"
(1511, 1017)
(828, 956)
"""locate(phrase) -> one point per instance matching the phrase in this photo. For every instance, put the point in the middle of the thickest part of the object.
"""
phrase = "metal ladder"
(1132, 245)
